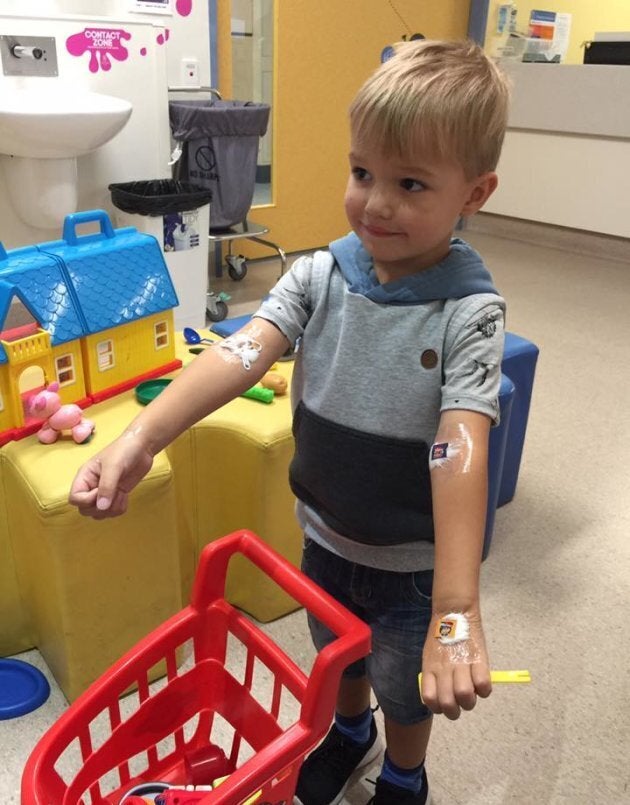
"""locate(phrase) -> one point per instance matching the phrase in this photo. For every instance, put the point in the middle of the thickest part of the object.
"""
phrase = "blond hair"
(447, 98)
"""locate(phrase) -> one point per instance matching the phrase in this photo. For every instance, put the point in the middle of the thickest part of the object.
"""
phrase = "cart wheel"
(218, 311)
(237, 266)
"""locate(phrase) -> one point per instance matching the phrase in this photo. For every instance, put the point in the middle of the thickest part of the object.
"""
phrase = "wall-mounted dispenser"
(28, 55)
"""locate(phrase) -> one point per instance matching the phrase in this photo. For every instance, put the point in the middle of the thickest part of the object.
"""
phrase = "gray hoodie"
(377, 365)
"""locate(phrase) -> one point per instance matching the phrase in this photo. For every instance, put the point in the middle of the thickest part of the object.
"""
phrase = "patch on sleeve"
(482, 370)
(487, 325)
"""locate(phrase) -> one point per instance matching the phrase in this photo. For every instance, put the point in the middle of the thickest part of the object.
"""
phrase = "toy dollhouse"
(93, 312)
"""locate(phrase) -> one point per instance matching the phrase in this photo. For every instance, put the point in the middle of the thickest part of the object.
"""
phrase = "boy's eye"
(360, 174)
(413, 185)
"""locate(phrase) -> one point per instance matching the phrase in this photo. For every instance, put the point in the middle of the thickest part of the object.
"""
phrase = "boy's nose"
(378, 204)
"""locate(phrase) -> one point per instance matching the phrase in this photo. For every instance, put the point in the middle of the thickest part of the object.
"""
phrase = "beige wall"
(566, 147)
(324, 51)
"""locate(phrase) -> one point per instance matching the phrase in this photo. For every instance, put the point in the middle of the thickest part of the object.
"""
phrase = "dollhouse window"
(64, 367)
(105, 355)
(161, 334)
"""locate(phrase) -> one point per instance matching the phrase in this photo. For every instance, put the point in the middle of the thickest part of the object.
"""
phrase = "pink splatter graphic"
(143, 51)
(160, 39)
(101, 44)
(167, 33)
(183, 7)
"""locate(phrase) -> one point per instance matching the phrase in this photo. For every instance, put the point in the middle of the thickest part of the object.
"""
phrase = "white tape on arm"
(240, 347)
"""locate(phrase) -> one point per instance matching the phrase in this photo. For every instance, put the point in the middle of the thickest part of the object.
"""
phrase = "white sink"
(42, 132)
(56, 123)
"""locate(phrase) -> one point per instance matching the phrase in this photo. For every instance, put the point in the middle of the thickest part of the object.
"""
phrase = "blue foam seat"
(519, 364)
(230, 326)
(508, 438)
(496, 456)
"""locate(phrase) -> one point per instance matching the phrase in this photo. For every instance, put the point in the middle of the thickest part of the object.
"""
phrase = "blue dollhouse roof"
(38, 281)
(91, 284)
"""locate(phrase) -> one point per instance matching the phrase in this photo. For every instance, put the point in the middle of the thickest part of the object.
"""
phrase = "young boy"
(395, 388)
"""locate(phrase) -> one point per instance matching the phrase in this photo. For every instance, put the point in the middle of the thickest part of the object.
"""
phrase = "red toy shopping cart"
(168, 733)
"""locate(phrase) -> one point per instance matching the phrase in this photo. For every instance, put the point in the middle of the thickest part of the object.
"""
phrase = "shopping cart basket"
(151, 743)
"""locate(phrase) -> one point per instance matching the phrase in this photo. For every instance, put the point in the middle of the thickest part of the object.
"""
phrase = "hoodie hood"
(461, 273)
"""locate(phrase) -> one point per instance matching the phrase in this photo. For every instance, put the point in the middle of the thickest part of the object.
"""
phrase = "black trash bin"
(159, 196)
(220, 149)
(176, 213)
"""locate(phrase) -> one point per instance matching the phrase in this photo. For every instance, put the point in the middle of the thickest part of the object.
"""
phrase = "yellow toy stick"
(510, 676)
(502, 676)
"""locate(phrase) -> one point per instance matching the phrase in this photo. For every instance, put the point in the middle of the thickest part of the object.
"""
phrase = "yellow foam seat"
(90, 589)
(84, 591)
(240, 459)
(16, 634)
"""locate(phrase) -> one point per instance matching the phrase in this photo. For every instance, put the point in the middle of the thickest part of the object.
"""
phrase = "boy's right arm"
(102, 485)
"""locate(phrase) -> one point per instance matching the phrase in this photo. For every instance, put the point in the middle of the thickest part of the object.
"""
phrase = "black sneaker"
(390, 794)
(326, 771)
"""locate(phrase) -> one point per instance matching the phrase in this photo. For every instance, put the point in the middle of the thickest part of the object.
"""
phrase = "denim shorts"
(397, 607)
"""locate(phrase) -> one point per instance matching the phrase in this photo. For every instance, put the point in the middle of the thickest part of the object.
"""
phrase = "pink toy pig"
(47, 405)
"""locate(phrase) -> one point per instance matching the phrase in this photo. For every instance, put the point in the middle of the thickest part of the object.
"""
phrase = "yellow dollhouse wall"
(6, 404)
(68, 363)
(121, 353)
(21, 376)
(63, 363)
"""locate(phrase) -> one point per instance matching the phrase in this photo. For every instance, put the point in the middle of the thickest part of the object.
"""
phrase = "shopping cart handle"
(210, 581)
(353, 635)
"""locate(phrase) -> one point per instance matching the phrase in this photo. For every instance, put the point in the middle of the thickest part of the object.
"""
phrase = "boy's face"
(404, 209)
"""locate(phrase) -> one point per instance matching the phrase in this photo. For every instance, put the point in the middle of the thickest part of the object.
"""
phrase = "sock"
(357, 728)
(404, 778)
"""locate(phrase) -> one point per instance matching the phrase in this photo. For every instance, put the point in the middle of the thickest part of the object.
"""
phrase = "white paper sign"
(549, 33)
(151, 6)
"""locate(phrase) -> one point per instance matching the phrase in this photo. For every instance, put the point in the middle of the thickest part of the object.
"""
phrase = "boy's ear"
(481, 190)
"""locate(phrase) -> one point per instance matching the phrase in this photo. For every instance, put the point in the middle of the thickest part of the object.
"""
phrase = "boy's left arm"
(454, 674)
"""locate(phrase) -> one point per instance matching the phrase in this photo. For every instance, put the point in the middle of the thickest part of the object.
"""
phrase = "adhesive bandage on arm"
(452, 628)
(453, 632)
(453, 452)
(244, 347)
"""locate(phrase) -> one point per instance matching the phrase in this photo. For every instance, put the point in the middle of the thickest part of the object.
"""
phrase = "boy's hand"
(102, 485)
(454, 675)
